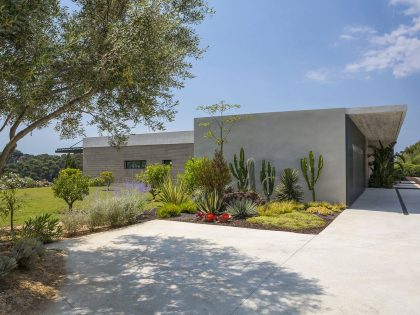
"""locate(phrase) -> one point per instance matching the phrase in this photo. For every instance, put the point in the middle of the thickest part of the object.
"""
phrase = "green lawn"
(36, 201)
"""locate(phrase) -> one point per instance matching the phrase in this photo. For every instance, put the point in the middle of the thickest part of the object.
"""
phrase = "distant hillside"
(43, 166)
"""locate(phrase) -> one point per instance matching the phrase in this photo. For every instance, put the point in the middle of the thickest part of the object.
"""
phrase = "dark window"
(137, 164)
(167, 162)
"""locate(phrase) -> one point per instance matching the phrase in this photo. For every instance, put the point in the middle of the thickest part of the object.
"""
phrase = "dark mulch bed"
(191, 218)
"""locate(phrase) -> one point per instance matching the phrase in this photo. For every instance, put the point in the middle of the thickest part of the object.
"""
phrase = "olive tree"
(114, 64)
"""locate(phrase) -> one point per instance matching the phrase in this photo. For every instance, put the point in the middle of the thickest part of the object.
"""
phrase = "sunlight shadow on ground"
(145, 275)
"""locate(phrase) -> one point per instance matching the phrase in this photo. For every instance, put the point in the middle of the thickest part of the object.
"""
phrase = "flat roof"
(379, 123)
(153, 138)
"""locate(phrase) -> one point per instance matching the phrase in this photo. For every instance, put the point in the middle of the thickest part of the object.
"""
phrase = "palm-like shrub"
(382, 165)
(171, 192)
(242, 209)
(289, 188)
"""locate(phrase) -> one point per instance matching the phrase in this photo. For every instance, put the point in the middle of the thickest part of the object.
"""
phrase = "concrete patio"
(366, 262)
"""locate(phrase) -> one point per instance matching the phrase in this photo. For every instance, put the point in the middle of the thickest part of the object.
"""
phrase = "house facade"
(343, 136)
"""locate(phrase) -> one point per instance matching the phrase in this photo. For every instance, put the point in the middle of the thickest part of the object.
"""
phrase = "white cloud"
(318, 76)
(413, 6)
(398, 50)
(355, 32)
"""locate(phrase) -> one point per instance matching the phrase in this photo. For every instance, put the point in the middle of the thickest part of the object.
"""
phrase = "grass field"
(36, 201)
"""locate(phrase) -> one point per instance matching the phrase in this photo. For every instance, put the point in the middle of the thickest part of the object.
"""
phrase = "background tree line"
(43, 166)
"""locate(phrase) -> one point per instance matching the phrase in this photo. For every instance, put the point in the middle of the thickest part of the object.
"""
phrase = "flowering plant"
(210, 217)
(224, 217)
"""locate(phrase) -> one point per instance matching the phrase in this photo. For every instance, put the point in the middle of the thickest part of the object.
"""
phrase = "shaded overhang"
(380, 123)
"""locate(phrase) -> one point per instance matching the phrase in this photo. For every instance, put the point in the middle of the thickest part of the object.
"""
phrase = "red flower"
(224, 217)
(210, 217)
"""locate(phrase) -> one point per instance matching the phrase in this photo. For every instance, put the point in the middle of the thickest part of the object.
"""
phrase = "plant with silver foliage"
(27, 252)
(7, 265)
(289, 188)
(242, 208)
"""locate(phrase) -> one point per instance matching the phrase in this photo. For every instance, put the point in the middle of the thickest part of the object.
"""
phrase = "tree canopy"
(115, 62)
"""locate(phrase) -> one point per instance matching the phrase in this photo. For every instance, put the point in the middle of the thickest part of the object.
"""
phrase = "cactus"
(267, 178)
(239, 170)
(311, 179)
(251, 174)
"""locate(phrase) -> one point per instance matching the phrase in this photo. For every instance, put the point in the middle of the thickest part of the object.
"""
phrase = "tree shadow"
(165, 275)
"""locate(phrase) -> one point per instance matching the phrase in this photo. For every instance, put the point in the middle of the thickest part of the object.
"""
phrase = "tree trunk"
(313, 195)
(11, 220)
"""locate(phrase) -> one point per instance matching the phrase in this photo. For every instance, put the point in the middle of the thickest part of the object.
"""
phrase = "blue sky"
(270, 55)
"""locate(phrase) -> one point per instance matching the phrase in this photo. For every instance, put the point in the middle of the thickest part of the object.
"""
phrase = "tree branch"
(6, 122)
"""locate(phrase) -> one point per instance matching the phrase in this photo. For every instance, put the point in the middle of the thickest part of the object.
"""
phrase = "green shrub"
(124, 209)
(73, 221)
(71, 185)
(319, 210)
(154, 176)
(96, 182)
(9, 201)
(188, 207)
(96, 213)
(338, 207)
(411, 170)
(208, 202)
(27, 252)
(108, 178)
(242, 208)
(169, 210)
(279, 208)
(293, 221)
(289, 188)
(192, 167)
(171, 192)
(7, 265)
(43, 227)
(324, 204)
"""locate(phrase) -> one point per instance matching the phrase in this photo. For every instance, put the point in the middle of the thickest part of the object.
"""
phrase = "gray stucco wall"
(98, 159)
(285, 137)
(356, 161)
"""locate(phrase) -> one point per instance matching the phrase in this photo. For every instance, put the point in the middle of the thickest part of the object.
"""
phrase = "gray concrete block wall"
(285, 137)
(98, 159)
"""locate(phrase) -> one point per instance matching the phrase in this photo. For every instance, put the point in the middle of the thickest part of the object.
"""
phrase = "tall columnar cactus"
(267, 178)
(251, 174)
(239, 170)
(313, 176)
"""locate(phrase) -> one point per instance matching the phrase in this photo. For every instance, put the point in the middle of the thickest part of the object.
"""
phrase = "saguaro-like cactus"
(251, 174)
(267, 178)
(239, 170)
(313, 176)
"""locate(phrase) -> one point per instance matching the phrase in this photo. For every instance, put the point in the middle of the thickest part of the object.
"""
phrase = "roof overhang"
(380, 123)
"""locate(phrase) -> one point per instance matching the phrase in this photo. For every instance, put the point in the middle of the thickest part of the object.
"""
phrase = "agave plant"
(383, 160)
(289, 188)
(208, 202)
(170, 192)
(242, 208)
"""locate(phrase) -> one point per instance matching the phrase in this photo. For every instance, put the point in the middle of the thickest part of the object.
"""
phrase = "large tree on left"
(114, 62)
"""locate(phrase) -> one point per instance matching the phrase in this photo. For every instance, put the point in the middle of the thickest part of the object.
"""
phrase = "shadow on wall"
(147, 275)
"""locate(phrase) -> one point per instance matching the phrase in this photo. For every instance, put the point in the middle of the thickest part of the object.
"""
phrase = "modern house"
(341, 135)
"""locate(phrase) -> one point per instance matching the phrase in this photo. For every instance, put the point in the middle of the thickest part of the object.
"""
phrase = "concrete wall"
(98, 159)
(283, 138)
(356, 161)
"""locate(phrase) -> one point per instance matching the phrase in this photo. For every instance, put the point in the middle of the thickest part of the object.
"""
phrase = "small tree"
(71, 185)
(214, 175)
(313, 176)
(108, 178)
(220, 126)
(154, 176)
(9, 184)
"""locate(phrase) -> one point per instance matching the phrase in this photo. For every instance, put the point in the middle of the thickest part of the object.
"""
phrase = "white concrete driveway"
(366, 262)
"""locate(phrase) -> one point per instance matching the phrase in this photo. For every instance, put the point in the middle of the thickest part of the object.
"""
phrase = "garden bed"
(242, 223)
(27, 291)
